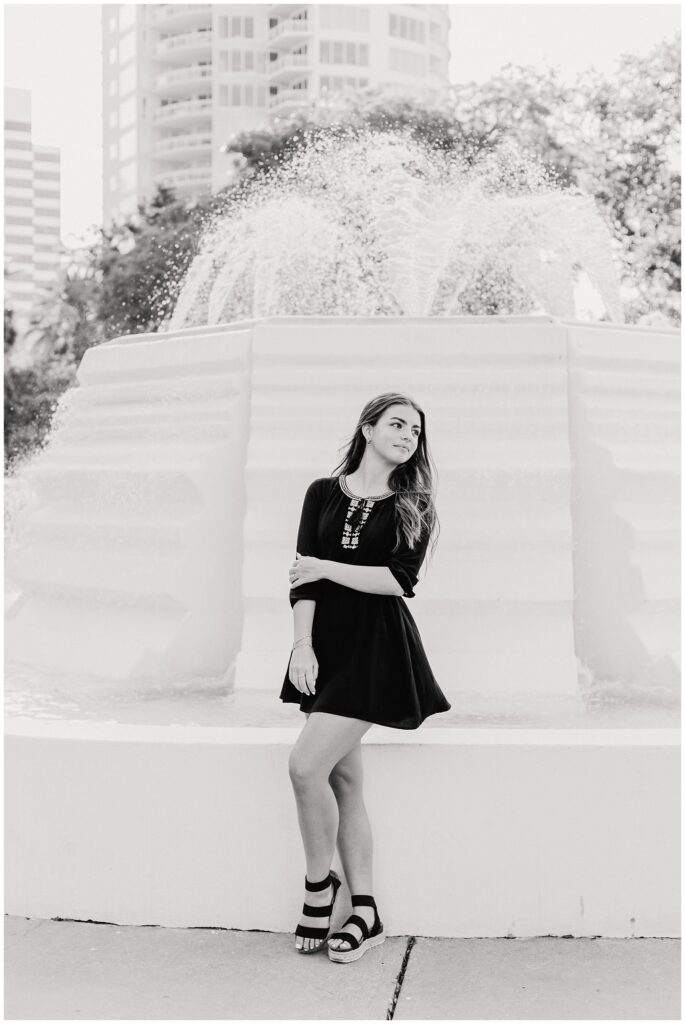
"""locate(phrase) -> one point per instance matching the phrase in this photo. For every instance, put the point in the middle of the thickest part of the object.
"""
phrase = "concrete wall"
(477, 832)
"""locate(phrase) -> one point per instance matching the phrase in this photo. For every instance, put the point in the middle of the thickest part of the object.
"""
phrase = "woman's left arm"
(372, 579)
(396, 579)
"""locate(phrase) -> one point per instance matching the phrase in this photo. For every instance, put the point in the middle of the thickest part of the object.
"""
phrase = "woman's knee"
(346, 776)
(302, 769)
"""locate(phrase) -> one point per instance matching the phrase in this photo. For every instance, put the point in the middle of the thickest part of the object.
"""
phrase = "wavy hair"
(414, 481)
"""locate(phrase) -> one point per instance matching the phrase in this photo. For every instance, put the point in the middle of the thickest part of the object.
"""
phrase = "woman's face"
(396, 434)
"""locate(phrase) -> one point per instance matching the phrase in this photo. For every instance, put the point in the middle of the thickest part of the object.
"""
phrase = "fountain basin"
(554, 590)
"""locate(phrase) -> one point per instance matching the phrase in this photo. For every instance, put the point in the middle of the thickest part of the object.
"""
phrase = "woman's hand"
(306, 569)
(303, 669)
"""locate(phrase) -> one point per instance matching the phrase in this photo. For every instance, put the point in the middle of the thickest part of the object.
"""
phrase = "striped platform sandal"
(305, 931)
(369, 938)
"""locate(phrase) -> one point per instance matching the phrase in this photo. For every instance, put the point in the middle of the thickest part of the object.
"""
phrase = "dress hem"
(371, 721)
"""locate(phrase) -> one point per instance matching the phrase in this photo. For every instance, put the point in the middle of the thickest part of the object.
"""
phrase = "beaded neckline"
(371, 497)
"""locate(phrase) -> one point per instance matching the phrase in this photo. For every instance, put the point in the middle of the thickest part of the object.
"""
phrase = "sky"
(66, 79)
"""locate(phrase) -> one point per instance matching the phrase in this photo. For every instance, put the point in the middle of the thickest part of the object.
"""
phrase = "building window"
(407, 62)
(335, 52)
(331, 83)
(127, 79)
(223, 60)
(127, 145)
(127, 112)
(223, 27)
(249, 96)
(236, 27)
(248, 56)
(235, 95)
(223, 95)
(127, 47)
(407, 28)
(236, 60)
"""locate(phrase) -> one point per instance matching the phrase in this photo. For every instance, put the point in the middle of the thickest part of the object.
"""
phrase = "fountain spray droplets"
(380, 224)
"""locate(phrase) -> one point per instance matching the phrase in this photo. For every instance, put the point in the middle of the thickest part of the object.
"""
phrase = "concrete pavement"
(69, 970)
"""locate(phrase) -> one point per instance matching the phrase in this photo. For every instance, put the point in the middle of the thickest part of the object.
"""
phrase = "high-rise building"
(32, 210)
(180, 79)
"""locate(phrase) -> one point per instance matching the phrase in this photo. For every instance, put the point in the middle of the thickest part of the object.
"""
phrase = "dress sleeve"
(405, 563)
(308, 542)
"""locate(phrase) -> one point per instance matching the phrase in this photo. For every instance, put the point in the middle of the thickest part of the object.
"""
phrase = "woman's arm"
(303, 618)
(372, 579)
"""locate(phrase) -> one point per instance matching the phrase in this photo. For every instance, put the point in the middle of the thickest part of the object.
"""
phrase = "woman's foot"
(319, 896)
(368, 914)
(356, 936)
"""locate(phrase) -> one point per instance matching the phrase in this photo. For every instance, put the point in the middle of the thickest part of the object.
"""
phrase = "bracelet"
(303, 641)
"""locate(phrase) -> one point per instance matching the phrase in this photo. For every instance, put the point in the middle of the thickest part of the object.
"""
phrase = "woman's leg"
(355, 842)
(324, 740)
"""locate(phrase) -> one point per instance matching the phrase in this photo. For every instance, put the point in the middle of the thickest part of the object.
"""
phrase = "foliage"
(31, 398)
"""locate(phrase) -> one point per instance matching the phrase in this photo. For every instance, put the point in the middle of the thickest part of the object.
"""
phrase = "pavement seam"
(400, 978)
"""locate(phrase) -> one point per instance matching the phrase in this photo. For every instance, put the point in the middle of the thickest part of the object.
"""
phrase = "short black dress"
(372, 664)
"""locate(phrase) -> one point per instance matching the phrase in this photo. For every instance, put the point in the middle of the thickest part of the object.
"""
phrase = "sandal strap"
(311, 911)
(348, 937)
(360, 922)
(308, 932)
(363, 901)
(318, 886)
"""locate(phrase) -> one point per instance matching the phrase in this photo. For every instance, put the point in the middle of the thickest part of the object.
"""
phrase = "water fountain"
(148, 623)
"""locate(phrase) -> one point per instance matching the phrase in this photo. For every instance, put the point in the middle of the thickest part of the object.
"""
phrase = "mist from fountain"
(383, 225)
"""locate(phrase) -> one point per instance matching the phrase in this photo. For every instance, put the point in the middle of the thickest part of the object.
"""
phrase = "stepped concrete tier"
(149, 582)
(129, 565)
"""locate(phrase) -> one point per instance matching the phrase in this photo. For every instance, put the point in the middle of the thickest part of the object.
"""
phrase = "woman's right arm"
(304, 667)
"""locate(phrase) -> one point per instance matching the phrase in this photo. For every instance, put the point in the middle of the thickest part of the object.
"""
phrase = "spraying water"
(382, 225)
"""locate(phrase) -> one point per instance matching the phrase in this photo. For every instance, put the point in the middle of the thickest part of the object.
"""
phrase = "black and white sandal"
(369, 938)
(305, 931)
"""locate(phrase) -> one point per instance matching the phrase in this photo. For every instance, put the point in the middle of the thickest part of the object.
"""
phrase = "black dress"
(372, 664)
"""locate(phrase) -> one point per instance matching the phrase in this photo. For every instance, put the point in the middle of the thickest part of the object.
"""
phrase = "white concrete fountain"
(149, 626)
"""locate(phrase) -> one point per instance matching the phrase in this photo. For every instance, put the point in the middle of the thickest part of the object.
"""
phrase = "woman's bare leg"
(355, 842)
(324, 740)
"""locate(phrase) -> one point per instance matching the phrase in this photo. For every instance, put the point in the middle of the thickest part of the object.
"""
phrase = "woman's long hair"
(414, 481)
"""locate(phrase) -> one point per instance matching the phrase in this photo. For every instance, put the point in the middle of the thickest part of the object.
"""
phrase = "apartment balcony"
(183, 112)
(288, 100)
(185, 47)
(181, 147)
(288, 33)
(180, 16)
(194, 178)
(288, 67)
(181, 79)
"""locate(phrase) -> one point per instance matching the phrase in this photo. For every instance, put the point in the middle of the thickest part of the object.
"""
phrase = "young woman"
(357, 657)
